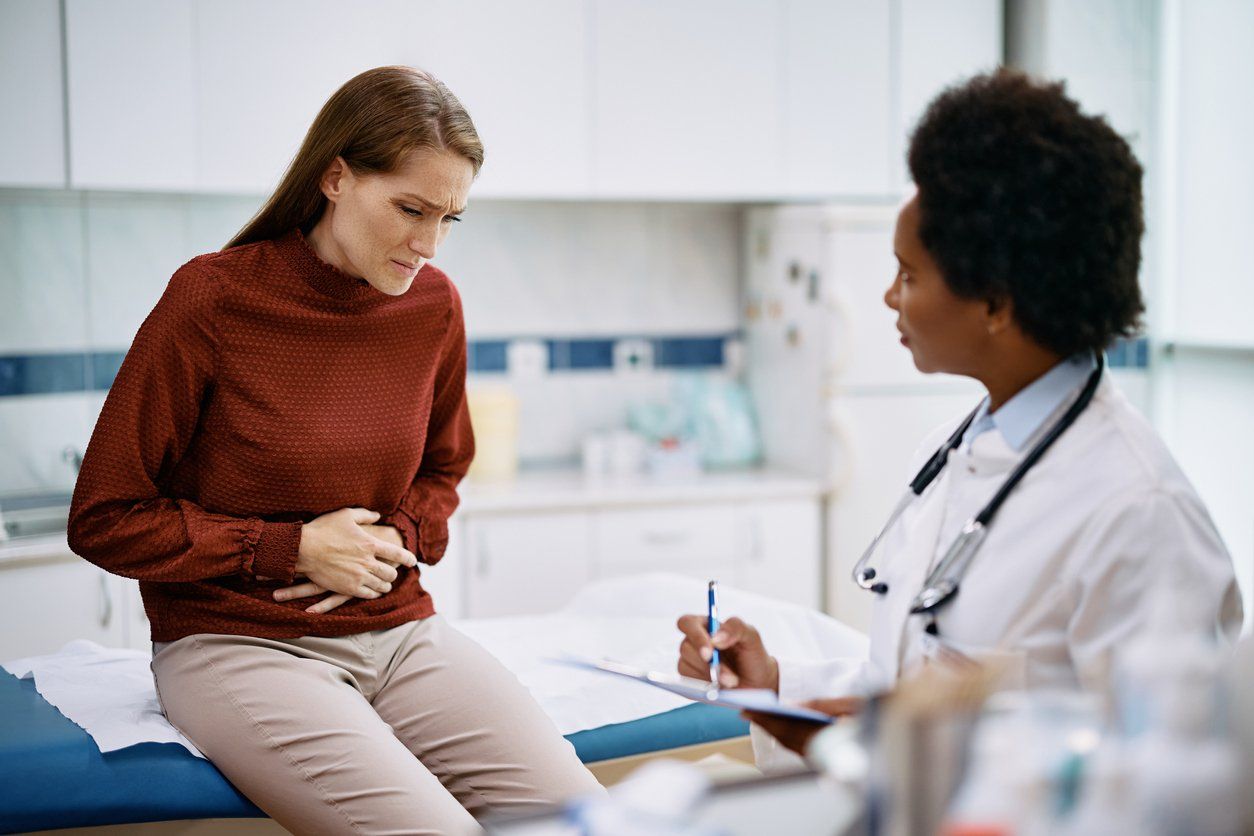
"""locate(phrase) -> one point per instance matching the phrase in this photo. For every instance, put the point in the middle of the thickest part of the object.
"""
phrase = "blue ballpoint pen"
(712, 625)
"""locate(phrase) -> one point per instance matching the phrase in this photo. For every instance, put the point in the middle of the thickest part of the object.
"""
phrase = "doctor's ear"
(1000, 315)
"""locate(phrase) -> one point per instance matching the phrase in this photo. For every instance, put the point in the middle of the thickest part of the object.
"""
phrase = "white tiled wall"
(591, 269)
(43, 307)
(80, 271)
(34, 429)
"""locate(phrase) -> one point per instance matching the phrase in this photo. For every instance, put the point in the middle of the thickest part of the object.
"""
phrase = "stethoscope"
(942, 582)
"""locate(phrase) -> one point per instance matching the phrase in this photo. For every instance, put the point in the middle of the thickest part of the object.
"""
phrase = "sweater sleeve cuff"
(426, 537)
(408, 529)
(274, 555)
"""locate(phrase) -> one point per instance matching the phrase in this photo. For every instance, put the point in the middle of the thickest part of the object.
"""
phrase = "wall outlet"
(527, 358)
(633, 355)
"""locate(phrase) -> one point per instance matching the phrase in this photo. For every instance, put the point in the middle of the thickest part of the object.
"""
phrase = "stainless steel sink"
(34, 515)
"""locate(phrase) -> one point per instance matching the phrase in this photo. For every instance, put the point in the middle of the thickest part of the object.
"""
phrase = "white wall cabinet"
(686, 98)
(707, 99)
(263, 71)
(522, 71)
(838, 108)
(936, 45)
(132, 94)
(32, 144)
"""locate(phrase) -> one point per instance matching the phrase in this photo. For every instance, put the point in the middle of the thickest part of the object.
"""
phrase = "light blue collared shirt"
(1020, 417)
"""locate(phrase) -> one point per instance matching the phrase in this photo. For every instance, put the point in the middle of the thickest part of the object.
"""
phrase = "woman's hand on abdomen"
(309, 589)
(342, 552)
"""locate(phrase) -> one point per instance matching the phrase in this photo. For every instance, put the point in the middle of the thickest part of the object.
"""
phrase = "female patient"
(277, 455)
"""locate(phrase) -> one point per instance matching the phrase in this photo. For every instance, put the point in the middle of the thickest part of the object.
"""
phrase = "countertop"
(554, 489)
(569, 488)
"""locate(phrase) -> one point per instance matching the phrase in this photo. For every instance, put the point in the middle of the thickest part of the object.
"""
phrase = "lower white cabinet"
(515, 564)
(530, 562)
(49, 603)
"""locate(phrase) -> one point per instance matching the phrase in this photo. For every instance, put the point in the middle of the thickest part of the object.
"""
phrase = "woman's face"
(384, 227)
(944, 332)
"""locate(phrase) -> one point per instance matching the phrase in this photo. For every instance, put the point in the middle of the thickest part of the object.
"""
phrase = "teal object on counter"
(721, 420)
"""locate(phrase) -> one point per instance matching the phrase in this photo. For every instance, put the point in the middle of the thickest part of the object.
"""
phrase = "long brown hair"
(373, 121)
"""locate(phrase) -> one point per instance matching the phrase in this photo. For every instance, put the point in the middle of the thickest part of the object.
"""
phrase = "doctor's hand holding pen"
(743, 660)
(745, 663)
(344, 553)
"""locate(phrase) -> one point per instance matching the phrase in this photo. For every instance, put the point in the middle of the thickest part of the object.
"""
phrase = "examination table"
(52, 774)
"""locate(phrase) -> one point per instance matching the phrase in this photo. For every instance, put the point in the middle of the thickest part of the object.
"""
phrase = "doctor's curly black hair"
(1022, 196)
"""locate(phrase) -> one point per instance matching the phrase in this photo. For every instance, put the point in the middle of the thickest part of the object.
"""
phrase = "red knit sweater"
(267, 388)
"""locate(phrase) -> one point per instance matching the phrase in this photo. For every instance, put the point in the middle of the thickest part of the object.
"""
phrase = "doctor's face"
(384, 227)
(944, 332)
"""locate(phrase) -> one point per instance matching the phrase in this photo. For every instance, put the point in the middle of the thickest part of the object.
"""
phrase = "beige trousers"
(415, 729)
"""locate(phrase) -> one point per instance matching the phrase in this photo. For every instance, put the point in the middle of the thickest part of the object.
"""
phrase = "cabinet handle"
(665, 538)
(482, 563)
(756, 552)
(106, 601)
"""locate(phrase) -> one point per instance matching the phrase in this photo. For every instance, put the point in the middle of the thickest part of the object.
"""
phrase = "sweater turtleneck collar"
(325, 278)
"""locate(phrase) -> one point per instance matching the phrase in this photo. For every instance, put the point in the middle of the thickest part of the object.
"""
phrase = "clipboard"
(698, 690)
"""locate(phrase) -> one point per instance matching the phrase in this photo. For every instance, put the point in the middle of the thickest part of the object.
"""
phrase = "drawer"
(693, 539)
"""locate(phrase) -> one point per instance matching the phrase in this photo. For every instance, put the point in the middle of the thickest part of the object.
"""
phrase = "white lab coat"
(1062, 579)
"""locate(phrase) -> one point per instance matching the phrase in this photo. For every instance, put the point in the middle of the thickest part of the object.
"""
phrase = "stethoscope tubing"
(943, 582)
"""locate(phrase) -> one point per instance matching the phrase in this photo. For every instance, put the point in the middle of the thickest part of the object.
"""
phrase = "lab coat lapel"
(912, 553)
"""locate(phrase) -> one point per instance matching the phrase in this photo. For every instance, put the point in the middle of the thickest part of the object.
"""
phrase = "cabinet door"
(687, 98)
(525, 564)
(131, 94)
(50, 603)
(784, 554)
(523, 72)
(837, 61)
(702, 541)
(940, 44)
(264, 70)
(32, 144)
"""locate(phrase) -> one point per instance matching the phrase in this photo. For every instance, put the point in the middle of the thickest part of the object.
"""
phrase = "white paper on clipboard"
(753, 699)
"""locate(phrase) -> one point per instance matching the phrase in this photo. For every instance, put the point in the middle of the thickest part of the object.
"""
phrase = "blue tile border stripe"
(597, 353)
(41, 374)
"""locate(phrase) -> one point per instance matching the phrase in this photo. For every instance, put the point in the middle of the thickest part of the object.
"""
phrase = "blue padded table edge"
(52, 774)
(686, 726)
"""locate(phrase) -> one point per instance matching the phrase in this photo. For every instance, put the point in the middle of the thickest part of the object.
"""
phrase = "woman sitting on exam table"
(1017, 265)
(279, 451)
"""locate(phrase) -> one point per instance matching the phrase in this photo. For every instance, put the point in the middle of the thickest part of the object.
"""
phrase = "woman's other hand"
(345, 553)
(743, 660)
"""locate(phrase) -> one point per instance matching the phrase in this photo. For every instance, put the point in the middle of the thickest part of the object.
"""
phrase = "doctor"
(1038, 522)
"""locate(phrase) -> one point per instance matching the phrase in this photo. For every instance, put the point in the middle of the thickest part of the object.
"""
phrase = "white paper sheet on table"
(107, 691)
(632, 620)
